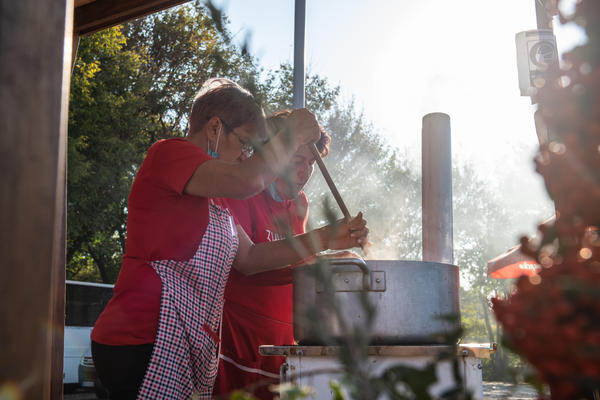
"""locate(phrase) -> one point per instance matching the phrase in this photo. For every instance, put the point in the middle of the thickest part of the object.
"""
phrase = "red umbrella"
(512, 264)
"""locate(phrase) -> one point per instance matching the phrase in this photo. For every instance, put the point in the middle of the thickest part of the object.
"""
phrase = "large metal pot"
(410, 299)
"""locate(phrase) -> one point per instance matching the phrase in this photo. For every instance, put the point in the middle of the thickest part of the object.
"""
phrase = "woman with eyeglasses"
(158, 338)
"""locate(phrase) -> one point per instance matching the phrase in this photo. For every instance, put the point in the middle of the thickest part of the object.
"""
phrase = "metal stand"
(316, 366)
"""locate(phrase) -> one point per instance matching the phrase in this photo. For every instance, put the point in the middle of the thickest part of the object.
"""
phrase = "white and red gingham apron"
(185, 356)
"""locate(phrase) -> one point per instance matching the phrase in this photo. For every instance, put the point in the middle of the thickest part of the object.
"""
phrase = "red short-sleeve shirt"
(162, 223)
(265, 220)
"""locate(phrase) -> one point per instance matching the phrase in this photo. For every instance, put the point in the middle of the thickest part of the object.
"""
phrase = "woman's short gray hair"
(234, 105)
(213, 83)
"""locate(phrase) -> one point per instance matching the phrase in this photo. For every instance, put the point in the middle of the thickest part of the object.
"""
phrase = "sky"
(399, 60)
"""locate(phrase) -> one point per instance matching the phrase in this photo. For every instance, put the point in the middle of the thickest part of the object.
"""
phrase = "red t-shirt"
(162, 224)
(267, 293)
(258, 308)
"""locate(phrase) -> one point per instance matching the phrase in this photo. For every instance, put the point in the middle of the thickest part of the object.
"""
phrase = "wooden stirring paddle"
(333, 188)
(334, 191)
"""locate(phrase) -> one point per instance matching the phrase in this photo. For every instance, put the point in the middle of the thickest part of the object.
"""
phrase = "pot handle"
(360, 263)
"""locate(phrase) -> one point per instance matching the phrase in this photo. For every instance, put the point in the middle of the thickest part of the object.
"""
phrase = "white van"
(84, 303)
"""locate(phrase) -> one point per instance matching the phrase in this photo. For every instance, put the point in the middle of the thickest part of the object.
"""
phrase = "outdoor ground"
(491, 390)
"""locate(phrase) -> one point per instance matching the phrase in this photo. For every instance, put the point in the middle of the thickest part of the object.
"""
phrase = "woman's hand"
(304, 127)
(254, 258)
(344, 234)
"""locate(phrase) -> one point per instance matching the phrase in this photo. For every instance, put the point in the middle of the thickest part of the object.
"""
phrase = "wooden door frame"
(38, 42)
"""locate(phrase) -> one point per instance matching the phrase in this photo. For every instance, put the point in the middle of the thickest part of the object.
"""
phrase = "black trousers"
(121, 369)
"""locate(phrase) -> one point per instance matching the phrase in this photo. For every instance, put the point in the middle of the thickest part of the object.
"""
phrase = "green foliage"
(181, 48)
(106, 144)
(320, 97)
(293, 392)
(406, 382)
(131, 86)
(338, 391)
(239, 395)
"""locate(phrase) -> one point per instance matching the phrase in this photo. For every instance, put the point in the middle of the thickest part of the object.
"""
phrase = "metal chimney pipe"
(299, 33)
(438, 245)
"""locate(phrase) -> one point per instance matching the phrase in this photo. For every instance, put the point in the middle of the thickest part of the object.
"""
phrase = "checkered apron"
(185, 356)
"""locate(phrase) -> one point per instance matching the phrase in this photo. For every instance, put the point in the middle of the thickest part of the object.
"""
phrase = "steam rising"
(490, 214)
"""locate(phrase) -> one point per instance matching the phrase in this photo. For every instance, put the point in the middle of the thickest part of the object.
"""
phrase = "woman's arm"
(239, 180)
(254, 258)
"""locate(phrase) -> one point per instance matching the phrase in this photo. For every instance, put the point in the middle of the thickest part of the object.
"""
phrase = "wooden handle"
(329, 181)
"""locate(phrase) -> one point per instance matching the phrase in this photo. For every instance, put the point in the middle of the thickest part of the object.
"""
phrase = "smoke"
(490, 214)
(372, 178)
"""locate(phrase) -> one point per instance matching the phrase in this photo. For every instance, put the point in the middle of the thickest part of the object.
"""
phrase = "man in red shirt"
(251, 317)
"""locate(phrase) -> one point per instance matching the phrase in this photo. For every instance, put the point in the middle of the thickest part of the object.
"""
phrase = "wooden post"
(35, 61)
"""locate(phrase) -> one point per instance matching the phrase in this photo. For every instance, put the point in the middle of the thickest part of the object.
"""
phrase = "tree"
(107, 134)
(180, 49)
(320, 97)
(133, 85)
(372, 178)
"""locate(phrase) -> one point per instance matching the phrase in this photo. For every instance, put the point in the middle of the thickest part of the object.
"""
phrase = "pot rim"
(369, 263)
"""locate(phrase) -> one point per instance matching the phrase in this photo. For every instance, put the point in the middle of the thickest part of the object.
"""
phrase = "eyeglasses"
(247, 148)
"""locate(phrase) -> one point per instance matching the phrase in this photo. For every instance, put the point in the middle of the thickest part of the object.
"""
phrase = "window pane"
(85, 303)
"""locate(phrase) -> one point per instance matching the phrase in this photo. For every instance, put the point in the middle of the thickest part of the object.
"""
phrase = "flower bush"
(553, 319)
